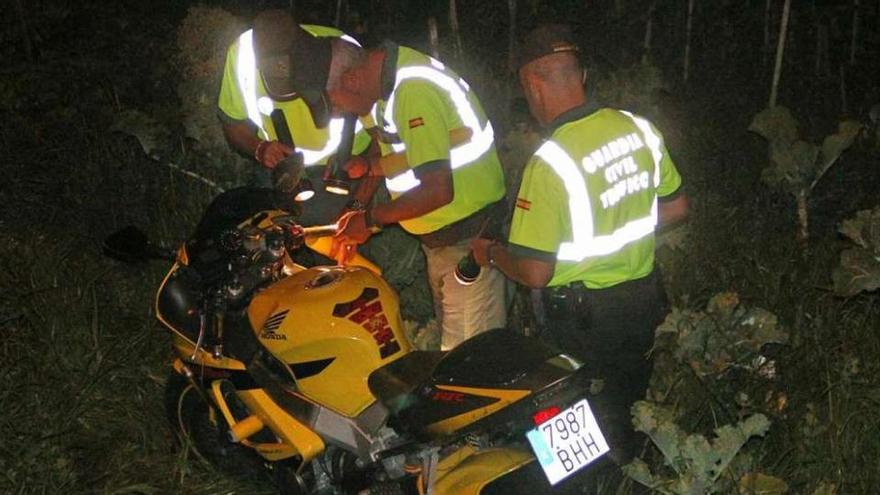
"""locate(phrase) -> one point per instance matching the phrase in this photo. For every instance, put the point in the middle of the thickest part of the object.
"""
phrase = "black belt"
(466, 228)
(575, 296)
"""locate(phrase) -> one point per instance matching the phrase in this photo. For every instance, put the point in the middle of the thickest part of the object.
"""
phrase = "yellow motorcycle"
(311, 370)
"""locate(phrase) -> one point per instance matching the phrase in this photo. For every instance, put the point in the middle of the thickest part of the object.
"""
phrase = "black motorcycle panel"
(412, 387)
(180, 300)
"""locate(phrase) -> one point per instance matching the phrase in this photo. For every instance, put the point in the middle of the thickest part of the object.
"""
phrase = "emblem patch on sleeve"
(524, 204)
(416, 122)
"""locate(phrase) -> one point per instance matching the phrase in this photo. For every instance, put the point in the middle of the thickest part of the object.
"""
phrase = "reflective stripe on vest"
(653, 141)
(246, 70)
(481, 139)
(585, 243)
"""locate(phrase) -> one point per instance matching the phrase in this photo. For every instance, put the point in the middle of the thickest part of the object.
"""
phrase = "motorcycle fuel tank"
(332, 326)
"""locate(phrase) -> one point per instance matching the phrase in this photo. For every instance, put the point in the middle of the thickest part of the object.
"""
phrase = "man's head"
(550, 73)
(293, 63)
(353, 84)
(290, 60)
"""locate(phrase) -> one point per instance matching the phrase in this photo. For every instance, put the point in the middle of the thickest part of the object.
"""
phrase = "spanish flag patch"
(523, 203)
(416, 122)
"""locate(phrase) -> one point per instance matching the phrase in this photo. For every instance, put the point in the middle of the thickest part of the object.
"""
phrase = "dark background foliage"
(82, 362)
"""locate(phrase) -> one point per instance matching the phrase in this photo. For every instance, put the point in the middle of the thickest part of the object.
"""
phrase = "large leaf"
(864, 229)
(859, 271)
(776, 125)
(698, 462)
(792, 164)
(640, 472)
(834, 145)
(153, 137)
(762, 484)
(726, 335)
(658, 422)
(730, 439)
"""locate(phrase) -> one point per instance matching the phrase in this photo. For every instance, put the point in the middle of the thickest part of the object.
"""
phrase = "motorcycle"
(309, 368)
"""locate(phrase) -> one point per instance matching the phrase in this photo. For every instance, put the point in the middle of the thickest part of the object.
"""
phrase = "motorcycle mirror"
(131, 245)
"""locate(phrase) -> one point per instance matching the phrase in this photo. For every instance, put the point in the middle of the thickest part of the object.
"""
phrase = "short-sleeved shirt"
(588, 198)
(240, 70)
(423, 101)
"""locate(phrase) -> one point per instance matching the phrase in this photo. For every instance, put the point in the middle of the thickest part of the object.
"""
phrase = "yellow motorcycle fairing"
(468, 471)
(332, 326)
(294, 438)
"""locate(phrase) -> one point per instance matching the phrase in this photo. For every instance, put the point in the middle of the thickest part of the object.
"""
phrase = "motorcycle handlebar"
(328, 230)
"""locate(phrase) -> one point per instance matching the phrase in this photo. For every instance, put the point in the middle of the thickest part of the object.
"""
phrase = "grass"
(83, 362)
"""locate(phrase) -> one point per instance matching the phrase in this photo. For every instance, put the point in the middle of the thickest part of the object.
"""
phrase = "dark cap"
(544, 40)
(288, 55)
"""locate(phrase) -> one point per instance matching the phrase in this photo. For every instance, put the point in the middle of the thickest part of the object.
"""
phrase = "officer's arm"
(529, 267)
(241, 136)
(435, 190)
(673, 210)
(530, 272)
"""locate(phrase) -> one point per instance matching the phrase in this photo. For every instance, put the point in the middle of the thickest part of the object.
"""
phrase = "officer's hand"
(480, 248)
(269, 153)
(352, 227)
(356, 167)
(342, 251)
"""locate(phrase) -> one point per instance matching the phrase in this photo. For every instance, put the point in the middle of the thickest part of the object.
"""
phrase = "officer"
(450, 180)
(583, 228)
(261, 112)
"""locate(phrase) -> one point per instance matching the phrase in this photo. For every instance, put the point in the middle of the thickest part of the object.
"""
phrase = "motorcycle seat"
(395, 383)
(495, 358)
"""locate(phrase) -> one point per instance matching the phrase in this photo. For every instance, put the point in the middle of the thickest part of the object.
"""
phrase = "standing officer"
(583, 227)
(260, 109)
(450, 179)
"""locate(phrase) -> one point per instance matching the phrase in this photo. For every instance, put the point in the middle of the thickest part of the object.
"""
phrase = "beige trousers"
(464, 310)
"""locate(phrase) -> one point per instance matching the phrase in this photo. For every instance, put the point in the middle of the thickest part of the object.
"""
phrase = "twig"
(433, 37)
(780, 49)
(766, 32)
(649, 25)
(687, 45)
(855, 33)
(25, 31)
(453, 25)
(208, 182)
(338, 19)
(511, 56)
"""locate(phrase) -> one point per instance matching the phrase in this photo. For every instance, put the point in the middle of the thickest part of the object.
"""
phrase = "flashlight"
(337, 181)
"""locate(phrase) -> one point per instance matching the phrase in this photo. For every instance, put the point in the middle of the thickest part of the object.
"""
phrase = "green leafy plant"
(635, 88)
(696, 462)
(403, 265)
(727, 335)
(202, 40)
(796, 164)
(859, 268)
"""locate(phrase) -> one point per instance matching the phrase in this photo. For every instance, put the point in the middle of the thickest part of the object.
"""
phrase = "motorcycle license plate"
(568, 442)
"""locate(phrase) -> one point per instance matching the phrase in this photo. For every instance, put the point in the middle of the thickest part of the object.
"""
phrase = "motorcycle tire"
(198, 427)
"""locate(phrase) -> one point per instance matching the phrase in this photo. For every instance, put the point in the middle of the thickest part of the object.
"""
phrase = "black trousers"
(611, 330)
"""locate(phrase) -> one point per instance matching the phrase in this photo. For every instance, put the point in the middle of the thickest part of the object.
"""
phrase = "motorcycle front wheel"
(198, 427)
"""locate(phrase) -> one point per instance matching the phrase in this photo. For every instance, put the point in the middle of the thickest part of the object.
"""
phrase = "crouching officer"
(583, 228)
(265, 117)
